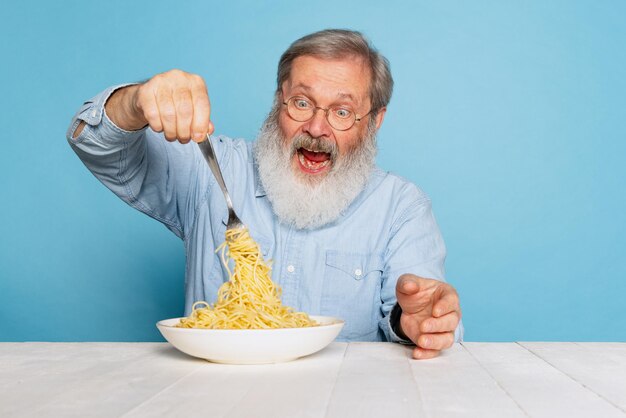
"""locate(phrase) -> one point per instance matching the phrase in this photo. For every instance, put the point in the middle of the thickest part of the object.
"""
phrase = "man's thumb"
(408, 284)
(408, 293)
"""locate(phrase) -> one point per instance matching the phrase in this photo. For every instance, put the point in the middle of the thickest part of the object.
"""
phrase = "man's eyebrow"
(302, 86)
(340, 95)
(347, 96)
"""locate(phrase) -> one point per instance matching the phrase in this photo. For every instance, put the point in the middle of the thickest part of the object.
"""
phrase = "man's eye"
(302, 104)
(343, 113)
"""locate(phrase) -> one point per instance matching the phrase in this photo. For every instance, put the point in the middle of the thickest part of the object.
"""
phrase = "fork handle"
(209, 155)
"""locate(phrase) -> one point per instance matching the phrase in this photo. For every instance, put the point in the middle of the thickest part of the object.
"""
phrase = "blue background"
(510, 115)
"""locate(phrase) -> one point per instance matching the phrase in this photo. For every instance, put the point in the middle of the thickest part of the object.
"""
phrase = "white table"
(344, 380)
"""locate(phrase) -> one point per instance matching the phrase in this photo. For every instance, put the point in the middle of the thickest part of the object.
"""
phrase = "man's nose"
(318, 125)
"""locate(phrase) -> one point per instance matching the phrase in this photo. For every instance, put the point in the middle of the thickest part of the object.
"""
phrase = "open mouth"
(313, 162)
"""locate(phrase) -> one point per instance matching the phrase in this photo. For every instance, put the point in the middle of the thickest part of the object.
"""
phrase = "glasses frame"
(326, 112)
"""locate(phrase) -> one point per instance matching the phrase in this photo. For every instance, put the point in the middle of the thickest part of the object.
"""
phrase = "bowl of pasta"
(251, 346)
(248, 324)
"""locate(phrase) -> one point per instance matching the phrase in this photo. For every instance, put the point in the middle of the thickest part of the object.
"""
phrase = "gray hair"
(341, 43)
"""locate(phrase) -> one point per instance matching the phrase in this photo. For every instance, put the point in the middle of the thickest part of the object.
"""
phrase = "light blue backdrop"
(511, 115)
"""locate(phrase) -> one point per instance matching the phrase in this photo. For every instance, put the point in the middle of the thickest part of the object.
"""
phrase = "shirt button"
(358, 272)
(291, 268)
(94, 113)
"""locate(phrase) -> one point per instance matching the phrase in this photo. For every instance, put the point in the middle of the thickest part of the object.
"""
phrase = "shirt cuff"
(394, 326)
(98, 126)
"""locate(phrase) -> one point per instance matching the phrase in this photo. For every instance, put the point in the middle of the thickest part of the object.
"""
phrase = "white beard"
(302, 200)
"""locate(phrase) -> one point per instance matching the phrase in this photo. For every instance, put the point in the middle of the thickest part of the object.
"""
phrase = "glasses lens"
(341, 119)
(300, 109)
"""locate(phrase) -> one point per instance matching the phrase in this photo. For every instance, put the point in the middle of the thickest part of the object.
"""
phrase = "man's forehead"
(345, 79)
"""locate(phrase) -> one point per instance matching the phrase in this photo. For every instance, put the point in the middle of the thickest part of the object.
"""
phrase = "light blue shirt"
(346, 269)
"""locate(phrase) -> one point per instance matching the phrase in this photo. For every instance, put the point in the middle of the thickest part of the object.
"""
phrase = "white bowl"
(251, 346)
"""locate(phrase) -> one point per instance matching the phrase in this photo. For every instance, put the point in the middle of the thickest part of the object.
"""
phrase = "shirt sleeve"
(416, 247)
(150, 174)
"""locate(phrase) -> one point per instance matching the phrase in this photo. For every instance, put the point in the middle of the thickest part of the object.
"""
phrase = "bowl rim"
(333, 322)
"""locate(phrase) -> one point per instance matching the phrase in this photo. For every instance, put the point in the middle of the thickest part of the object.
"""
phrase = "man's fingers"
(449, 302)
(430, 313)
(444, 323)
(423, 354)
(184, 113)
(438, 341)
(167, 112)
(201, 121)
(150, 109)
(177, 104)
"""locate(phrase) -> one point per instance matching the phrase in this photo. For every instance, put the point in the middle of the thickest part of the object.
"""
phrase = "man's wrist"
(122, 110)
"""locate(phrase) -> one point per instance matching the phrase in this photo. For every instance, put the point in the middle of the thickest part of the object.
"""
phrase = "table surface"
(344, 380)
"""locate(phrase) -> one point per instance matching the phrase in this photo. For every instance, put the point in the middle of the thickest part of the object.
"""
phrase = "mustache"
(315, 144)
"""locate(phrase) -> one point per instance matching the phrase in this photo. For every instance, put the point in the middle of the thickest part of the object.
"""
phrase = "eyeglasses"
(340, 118)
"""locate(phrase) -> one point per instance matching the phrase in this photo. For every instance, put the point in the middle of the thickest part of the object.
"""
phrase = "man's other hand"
(430, 314)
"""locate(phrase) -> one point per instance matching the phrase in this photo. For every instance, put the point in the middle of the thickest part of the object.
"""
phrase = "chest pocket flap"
(357, 266)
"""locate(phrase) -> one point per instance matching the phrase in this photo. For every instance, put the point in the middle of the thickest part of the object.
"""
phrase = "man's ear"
(380, 116)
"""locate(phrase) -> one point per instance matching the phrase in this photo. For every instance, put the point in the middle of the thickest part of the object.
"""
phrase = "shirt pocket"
(351, 291)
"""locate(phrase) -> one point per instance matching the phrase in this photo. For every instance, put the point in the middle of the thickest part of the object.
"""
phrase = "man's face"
(327, 84)
(311, 172)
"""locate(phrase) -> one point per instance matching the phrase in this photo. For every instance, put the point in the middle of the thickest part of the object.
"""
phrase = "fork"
(209, 155)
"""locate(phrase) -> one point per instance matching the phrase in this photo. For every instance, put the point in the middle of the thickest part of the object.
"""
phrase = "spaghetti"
(249, 299)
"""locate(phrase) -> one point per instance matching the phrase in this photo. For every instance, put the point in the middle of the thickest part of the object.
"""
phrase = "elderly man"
(347, 239)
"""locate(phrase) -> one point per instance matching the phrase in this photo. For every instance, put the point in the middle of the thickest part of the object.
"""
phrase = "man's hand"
(175, 103)
(430, 314)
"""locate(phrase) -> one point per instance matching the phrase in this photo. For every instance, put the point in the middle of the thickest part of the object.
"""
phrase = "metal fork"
(209, 155)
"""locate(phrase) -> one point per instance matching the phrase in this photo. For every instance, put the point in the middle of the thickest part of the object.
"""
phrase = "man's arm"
(415, 249)
(175, 103)
(139, 165)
